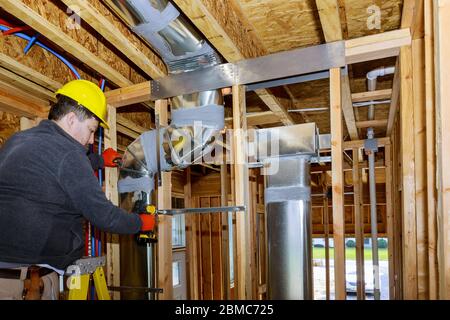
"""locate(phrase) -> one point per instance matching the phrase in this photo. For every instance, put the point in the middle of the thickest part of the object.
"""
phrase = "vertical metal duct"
(286, 153)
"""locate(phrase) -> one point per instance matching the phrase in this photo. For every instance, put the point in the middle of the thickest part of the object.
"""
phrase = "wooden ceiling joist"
(25, 84)
(234, 44)
(102, 25)
(57, 36)
(28, 73)
(332, 31)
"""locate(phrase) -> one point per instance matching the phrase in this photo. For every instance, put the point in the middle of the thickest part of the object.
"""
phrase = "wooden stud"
(442, 85)
(164, 247)
(390, 221)
(191, 240)
(408, 174)
(430, 127)
(111, 178)
(418, 59)
(244, 264)
(224, 189)
(132, 94)
(337, 183)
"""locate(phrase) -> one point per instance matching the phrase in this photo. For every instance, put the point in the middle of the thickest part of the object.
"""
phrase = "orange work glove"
(111, 158)
(148, 222)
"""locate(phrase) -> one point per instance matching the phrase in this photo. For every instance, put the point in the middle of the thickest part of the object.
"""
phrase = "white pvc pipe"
(372, 83)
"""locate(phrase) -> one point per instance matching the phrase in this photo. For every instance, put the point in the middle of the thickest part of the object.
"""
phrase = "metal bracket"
(371, 145)
(87, 265)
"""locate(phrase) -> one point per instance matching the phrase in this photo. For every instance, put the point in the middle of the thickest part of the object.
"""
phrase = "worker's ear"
(71, 119)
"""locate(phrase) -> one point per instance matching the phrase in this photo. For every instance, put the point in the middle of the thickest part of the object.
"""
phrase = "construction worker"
(47, 189)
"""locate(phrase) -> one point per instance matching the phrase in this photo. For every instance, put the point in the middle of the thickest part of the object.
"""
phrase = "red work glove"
(148, 222)
(111, 158)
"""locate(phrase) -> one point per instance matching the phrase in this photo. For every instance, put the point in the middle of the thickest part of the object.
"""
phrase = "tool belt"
(33, 285)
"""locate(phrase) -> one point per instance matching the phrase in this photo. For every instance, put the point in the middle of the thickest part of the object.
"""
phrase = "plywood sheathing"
(9, 124)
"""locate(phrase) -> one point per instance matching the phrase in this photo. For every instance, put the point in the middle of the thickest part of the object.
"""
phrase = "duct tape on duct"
(210, 116)
(145, 184)
(156, 20)
(292, 193)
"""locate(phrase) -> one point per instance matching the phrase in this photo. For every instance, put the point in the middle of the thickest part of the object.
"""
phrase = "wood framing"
(430, 125)
(372, 95)
(359, 226)
(418, 61)
(56, 35)
(111, 178)
(330, 20)
(21, 103)
(408, 175)
(395, 100)
(390, 222)
(164, 247)
(224, 190)
(107, 29)
(377, 46)
(326, 224)
(371, 123)
(347, 108)
(442, 83)
(132, 94)
(244, 263)
(337, 183)
(233, 47)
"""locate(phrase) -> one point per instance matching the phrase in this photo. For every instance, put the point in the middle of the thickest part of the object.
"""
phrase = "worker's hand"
(97, 162)
(111, 158)
(148, 222)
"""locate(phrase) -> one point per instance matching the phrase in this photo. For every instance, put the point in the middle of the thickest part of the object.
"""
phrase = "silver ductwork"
(196, 119)
(182, 49)
(286, 154)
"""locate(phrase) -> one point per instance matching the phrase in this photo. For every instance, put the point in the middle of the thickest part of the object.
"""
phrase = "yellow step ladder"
(81, 272)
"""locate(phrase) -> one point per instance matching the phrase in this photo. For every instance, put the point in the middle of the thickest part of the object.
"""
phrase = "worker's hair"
(65, 105)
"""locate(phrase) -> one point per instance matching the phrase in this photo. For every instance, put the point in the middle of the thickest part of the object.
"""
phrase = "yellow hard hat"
(89, 95)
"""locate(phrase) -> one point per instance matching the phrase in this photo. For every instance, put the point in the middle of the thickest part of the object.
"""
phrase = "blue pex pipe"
(31, 40)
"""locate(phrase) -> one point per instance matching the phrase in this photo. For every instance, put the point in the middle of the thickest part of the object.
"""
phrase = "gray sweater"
(47, 188)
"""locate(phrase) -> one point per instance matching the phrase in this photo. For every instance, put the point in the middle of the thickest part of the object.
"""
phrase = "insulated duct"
(196, 119)
(286, 154)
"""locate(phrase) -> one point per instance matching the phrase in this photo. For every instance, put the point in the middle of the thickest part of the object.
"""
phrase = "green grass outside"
(350, 253)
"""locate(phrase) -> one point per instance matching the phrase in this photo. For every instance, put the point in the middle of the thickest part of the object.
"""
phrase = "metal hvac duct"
(184, 141)
(182, 49)
(286, 154)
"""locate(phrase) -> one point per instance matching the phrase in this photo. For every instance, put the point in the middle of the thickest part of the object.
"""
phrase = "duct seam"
(291, 193)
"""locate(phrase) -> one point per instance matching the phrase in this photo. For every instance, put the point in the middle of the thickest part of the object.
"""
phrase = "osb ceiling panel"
(284, 25)
(361, 16)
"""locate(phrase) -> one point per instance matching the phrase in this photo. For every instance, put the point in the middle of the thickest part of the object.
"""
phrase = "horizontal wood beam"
(372, 95)
(360, 143)
(371, 123)
(377, 46)
(13, 103)
(136, 93)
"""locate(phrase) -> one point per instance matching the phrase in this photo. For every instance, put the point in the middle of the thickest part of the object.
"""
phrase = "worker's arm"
(77, 180)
